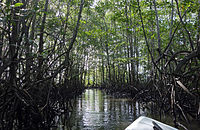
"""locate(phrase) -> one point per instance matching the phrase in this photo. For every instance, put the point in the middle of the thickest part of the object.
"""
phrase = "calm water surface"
(96, 110)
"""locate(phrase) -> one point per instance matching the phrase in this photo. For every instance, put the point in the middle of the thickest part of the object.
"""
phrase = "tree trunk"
(12, 46)
(198, 29)
(130, 41)
(41, 42)
(158, 28)
(107, 52)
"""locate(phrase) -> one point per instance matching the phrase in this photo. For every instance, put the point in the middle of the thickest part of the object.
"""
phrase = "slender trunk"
(65, 63)
(64, 36)
(145, 36)
(86, 69)
(66, 21)
(28, 60)
(113, 67)
(102, 67)
(113, 58)
(27, 46)
(158, 28)
(107, 51)
(12, 46)
(2, 33)
(41, 41)
(130, 41)
(88, 73)
(172, 16)
(96, 76)
(198, 30)
(137, 55)
(75, 32)
(126, 53)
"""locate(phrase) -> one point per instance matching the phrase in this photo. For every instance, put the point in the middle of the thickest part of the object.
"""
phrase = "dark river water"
(96, 110)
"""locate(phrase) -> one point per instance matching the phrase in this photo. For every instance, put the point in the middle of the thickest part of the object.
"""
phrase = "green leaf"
(88, 33)
(82, 21)
(18, 4)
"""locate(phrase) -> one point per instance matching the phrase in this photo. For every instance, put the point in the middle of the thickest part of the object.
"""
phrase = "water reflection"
(97, 110)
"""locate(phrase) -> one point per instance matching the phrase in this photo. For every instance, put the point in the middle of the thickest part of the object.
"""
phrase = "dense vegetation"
(51, 49)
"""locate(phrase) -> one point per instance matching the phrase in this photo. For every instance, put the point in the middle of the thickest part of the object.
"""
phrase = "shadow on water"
(97, 110)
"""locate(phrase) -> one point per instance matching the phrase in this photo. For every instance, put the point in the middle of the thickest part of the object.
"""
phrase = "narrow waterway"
(97, 110)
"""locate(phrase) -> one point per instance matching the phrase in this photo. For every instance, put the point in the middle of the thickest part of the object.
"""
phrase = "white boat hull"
(145, 123)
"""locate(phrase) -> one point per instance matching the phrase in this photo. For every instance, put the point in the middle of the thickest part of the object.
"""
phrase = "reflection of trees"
(97, 110)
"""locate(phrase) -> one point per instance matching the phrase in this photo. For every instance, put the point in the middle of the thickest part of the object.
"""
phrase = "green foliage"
(108, 31)
(18, 4)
